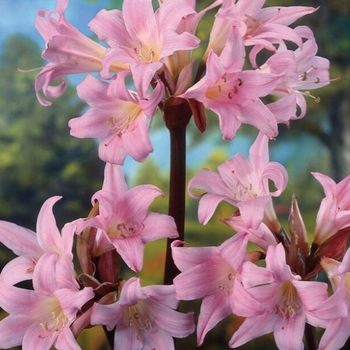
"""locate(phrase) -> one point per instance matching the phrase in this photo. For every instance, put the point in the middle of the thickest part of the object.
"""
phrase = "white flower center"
(54, 318)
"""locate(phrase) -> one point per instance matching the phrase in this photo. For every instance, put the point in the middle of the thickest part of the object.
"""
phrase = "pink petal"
(252, 211)
(126, 338)
(156, 226)
(12, 330)
(201, 280)
(49, 236)
(214, 308)
(313, 294)
(136, 202)
(132, 293)
(253, 327)
(140, 21)
(137, 142)
(160, 340)
(336, 334)
(72, 300)
(17, 270)
(328, 184)
(17, 300)
(276, 262)
(278, 175)
(289, 332)
(187, 257)
(107, 22)
(284, 109)
(163, 294)
(175, 323)
(233, 250)
(209, 181)
(105, 315)
(285, 15)
(37, 338)
(207, 206)
(21, 241)
(177, 42)
(114, 180)
(252, 275)
(66, 340)
(131, 250)
(111, 149)
(44, 278)
(258, 115)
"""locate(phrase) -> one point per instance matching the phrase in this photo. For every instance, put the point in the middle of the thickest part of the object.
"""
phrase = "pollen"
(126, 116)
(122, 229)
(55, 319)
(288, 301)
(226, 283)
(138, 319)
(225, 88)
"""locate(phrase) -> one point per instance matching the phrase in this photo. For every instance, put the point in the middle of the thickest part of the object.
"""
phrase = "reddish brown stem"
(176, 114)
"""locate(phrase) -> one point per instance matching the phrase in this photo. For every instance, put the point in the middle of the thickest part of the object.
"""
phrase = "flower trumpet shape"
(144, 317)
(46, 243)
(41, 318)
(241, 182)
(124, 222)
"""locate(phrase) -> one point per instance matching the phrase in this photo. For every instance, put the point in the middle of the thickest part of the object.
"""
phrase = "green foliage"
(38, 158)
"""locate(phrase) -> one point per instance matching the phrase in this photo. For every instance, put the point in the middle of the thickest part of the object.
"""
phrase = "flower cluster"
(256, 70)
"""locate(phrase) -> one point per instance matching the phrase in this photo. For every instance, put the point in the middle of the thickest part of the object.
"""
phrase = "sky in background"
(19, 15)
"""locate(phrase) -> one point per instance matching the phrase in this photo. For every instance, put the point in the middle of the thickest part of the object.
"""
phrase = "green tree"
(38, 157)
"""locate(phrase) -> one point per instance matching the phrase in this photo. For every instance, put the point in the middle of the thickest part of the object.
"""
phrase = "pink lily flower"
(144, 317)
(67, 50)
(212, 273)
(338, 328)
(41, 318)
(334, 211)
(286, 303)
(124, 222)
(304, 71)
(259, 27)
(242, 182)
(234, 94)
(178, 67)
(141, 37)
(260, 236)
(119, 117)
(46, 243)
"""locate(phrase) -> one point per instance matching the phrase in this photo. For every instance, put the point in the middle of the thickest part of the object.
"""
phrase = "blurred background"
(38, 158)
